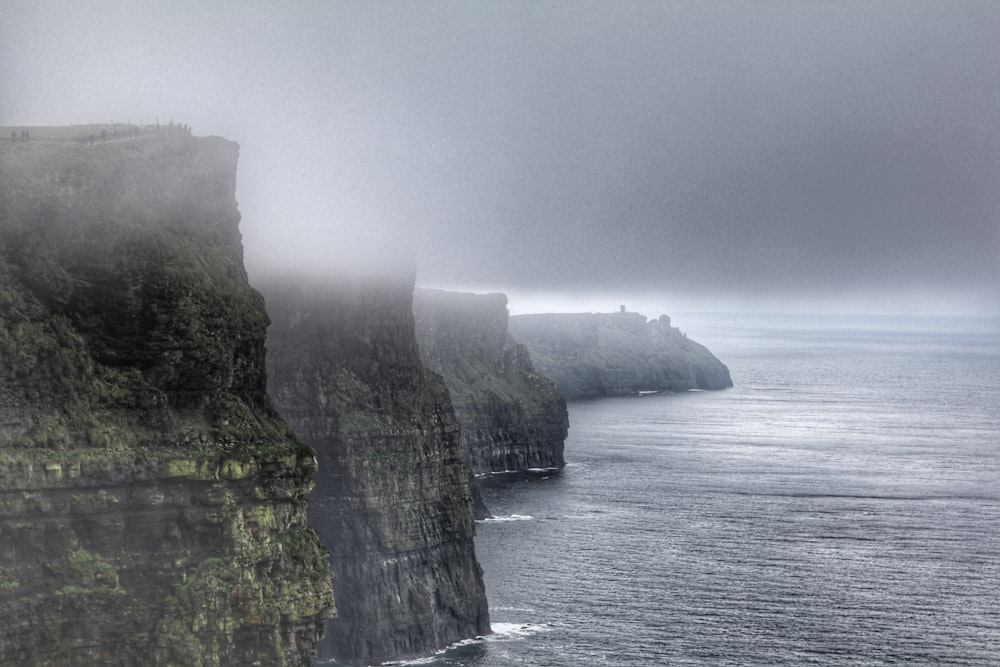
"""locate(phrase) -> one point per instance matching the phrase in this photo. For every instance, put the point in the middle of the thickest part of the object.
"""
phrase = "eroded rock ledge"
(393, 495)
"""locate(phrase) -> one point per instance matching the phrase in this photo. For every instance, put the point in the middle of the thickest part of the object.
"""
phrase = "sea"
(840, 505)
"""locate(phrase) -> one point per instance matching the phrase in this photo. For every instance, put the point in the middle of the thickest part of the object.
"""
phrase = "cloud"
(760, 150)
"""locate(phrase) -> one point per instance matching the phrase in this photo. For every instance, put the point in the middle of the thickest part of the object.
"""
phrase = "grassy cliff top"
(83, 133)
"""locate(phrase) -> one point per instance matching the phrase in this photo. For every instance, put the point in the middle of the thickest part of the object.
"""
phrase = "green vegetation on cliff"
(127, 326)
(151, 499)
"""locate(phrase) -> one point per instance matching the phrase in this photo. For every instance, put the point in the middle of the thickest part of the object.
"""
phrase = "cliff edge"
(589, 355)
(512, 418)
(393, 495)
(151, 499)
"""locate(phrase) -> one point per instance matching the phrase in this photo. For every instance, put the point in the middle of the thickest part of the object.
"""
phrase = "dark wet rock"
(392, 498)
(513, 418)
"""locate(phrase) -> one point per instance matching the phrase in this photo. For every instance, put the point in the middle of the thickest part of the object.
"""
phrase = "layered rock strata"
(512, 418)
(152, 503)
(393, 496)
(589, 355)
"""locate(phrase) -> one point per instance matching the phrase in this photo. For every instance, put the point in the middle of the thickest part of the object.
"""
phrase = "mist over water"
(840, 505)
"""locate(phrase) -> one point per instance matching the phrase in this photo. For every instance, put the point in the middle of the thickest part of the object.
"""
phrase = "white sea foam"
(426, 660)
(501, 631)
(514, 630)
(517, 471)
(512, 517)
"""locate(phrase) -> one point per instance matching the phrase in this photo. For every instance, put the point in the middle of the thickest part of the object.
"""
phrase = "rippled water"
(840, 505)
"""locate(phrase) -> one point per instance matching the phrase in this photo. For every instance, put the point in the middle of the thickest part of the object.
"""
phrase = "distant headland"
(590, 355)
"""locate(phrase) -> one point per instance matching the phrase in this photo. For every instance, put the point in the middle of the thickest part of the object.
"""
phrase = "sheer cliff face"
(392, 497)
(151, 500)
(589, 355)
(512, 418)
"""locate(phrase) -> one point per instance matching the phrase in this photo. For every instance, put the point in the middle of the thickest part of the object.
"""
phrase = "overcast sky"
(795, 155)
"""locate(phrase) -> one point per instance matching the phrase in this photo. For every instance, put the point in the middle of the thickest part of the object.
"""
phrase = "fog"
(807, 156)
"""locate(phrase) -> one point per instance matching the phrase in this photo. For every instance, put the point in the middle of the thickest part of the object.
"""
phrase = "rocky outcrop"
(512, 417)
(151, 499)
(393, 496)
(589, 355)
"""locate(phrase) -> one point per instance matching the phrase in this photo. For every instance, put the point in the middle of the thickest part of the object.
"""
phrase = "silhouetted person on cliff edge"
(92, 137)
(13, 136)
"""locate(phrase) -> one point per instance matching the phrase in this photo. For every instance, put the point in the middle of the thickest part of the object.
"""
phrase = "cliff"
(512, 418)
(393, 496)
(589, 355)
(151, 500)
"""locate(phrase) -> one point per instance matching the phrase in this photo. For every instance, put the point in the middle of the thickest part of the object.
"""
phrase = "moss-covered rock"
(126, 320)
(151, 499)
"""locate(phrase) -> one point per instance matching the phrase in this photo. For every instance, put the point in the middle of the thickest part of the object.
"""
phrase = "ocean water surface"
(840, 505)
